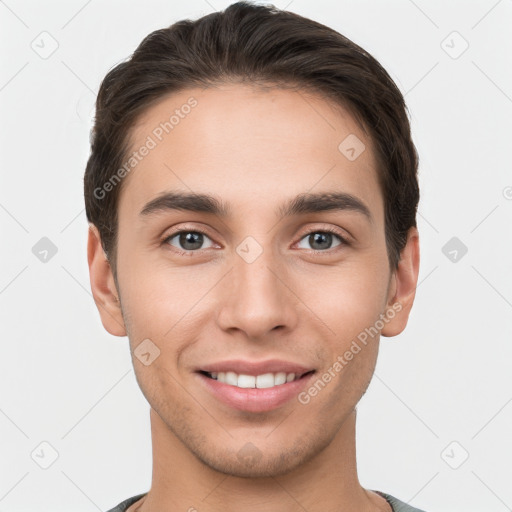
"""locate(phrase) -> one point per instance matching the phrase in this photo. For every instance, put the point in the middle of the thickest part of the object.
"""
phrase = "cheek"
(164, 303)
(349, 304)
(348, 298)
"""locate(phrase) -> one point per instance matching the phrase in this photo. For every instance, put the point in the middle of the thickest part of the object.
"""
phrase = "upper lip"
(254, 368)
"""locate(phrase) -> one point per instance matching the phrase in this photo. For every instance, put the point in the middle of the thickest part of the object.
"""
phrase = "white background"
(447, 377)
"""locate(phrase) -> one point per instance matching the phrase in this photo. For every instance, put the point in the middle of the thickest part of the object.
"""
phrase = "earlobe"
(103, 285)
(406, 280)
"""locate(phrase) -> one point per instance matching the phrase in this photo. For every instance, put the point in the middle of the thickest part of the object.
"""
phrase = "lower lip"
(255, 399)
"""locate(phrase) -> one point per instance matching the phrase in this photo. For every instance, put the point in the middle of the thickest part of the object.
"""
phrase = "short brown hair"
(261, 45)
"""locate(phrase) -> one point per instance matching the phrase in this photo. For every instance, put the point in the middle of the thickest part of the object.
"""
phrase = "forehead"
(245, 143)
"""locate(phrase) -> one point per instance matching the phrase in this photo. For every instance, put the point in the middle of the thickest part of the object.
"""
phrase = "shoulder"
(398, 505)
(123, 506)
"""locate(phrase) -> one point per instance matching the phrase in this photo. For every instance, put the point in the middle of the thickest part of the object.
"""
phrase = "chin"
(250, 462)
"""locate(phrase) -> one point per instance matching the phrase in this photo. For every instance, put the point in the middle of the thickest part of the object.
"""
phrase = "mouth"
(262, 381)
(254, 393)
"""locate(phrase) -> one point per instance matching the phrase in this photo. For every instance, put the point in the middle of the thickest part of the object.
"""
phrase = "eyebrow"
(299, 205)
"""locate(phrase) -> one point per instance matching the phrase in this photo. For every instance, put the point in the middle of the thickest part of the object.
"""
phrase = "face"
(250, 284)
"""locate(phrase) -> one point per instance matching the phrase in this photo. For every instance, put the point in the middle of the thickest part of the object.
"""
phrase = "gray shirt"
(396, 504)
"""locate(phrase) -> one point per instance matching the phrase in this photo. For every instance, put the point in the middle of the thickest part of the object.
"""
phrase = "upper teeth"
(267, 380)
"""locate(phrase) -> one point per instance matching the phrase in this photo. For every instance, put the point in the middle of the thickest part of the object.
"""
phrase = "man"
(252, 193)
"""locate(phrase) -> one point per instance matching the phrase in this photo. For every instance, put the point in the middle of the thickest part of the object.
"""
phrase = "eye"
(186, 242)
(189, 240)
(321, 240)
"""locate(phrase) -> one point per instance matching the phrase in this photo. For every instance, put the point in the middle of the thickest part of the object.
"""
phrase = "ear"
(403, 286)
(103, 285)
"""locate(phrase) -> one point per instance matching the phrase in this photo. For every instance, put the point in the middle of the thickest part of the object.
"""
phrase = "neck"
(328, 481)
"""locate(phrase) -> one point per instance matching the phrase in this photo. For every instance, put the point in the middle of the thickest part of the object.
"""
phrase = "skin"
(254, 149)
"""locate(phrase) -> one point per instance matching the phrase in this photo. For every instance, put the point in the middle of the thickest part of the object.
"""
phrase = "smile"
(245, 393)
(265, 380)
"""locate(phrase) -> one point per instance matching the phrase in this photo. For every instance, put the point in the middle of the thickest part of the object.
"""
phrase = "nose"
(257, 297)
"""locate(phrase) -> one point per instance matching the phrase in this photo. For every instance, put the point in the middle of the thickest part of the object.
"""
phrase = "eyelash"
(333, 231)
